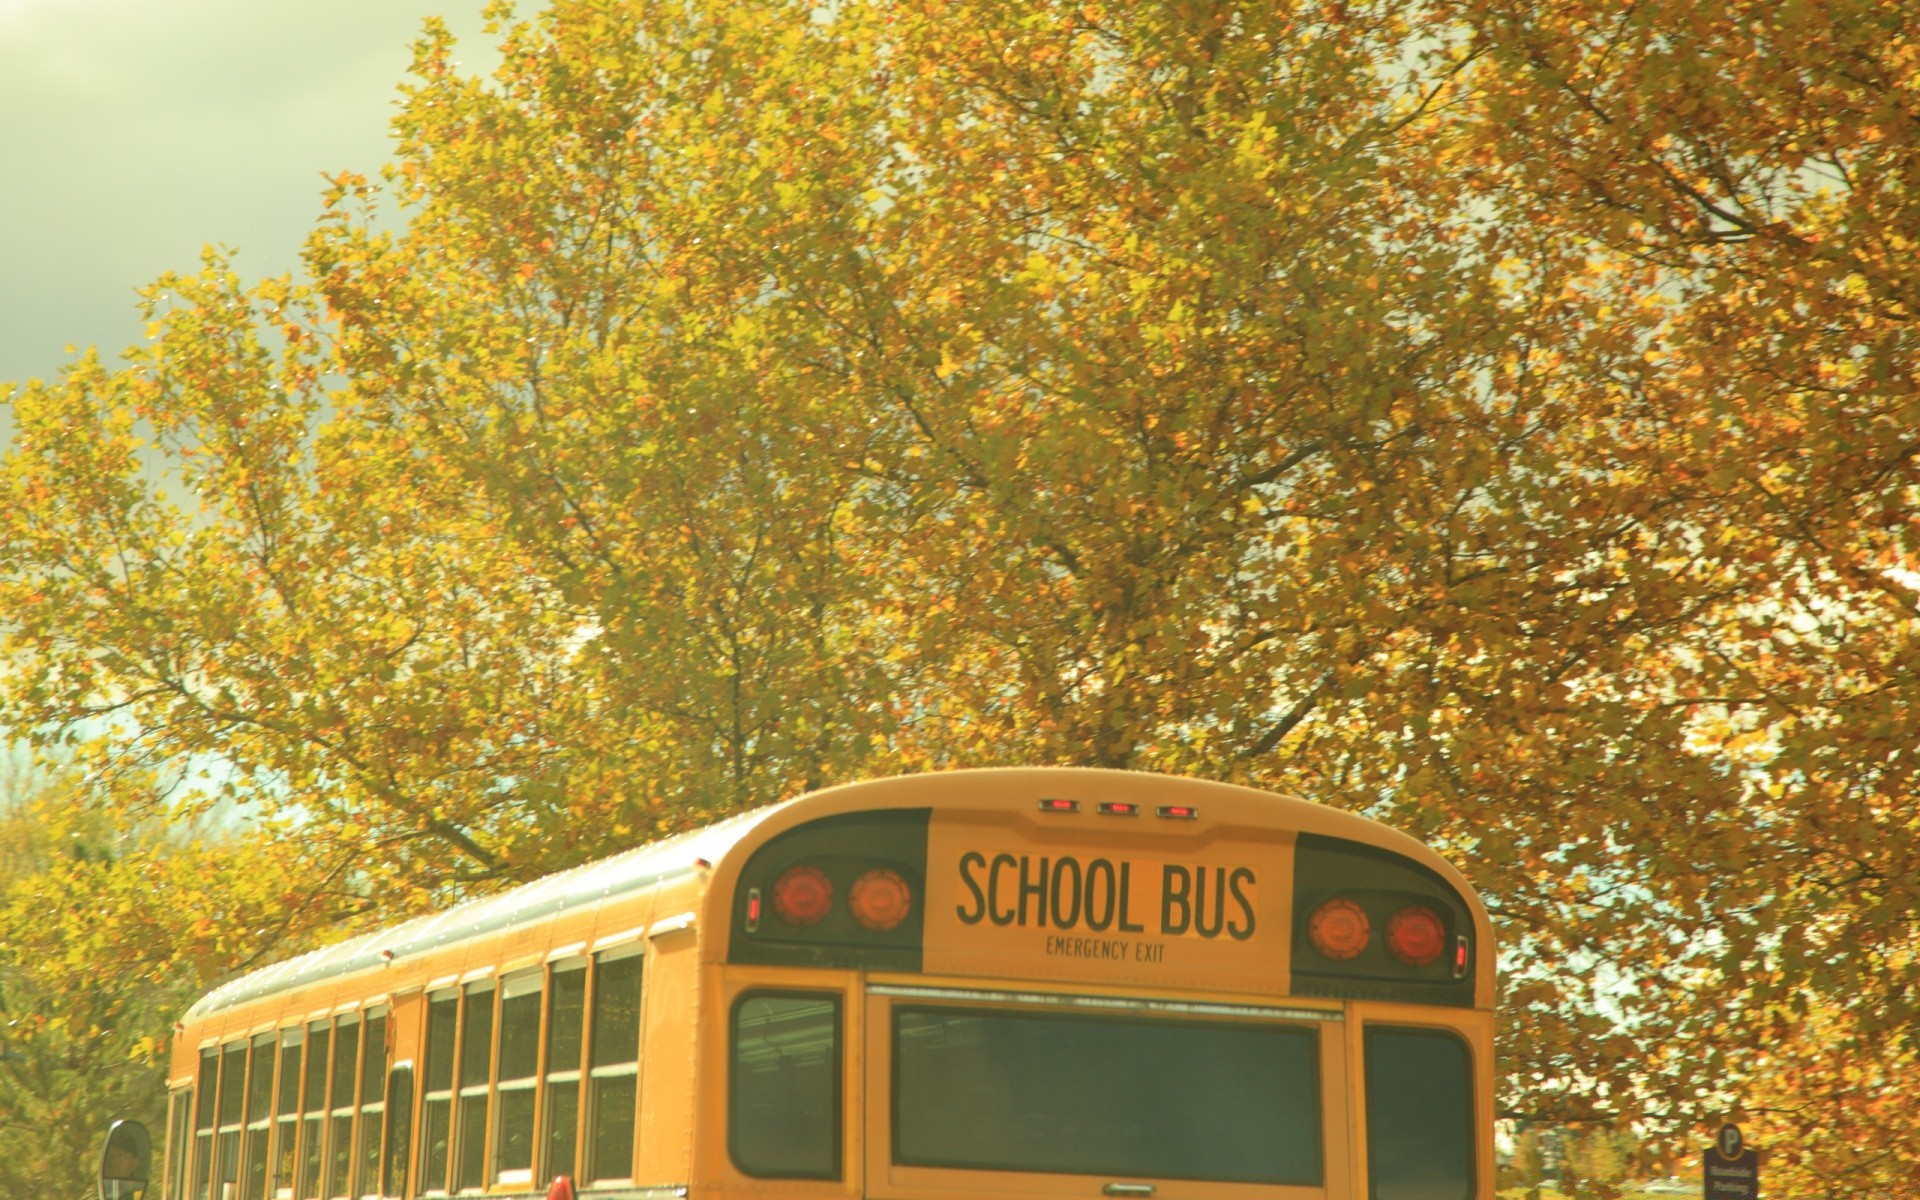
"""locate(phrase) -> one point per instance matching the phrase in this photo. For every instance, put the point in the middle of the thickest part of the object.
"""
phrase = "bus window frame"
(365, 1107)
(1472, 1028)
(843, 993)
(516, 982)
(885, 1180)
(230, 1125)
(420, 1152)
(576, 1073)
(179, 1142)
(262, 1122)
(485, 984)
(285, 1139)
(205, 1120)
(591, 1094)
(334, 1157)
(310, 1167)
(397, 1149)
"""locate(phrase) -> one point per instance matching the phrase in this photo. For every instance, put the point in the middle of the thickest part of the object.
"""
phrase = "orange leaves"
(1726, 151)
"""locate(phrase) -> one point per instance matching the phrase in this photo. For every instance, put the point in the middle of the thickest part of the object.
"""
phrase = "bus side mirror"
(126, 1161)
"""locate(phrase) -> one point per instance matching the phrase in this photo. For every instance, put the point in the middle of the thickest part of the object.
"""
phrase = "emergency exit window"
(1419, 1115)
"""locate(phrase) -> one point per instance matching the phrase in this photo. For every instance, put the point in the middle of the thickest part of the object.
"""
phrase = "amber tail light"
(1339, 930)
(880, 899)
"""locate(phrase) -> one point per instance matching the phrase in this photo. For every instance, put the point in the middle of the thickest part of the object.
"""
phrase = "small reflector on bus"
(753, 909)
(1339, 929)
(803, 895)
(1059, 806)
(1119, 808)
(1416, 935)
(880, 899)
(1179, 812)
(1460, 956)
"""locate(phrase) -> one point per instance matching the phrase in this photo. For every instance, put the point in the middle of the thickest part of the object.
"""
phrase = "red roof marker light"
(1061, 806)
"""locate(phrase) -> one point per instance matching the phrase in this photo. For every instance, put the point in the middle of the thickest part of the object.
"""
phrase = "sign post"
(1730, 1170)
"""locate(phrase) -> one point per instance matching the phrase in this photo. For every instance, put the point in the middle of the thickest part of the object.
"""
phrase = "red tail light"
(880, 899)
(1339, 929)
(802, 895)
(1416, 935)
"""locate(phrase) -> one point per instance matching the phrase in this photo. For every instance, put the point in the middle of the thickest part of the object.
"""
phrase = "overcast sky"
(133, 132)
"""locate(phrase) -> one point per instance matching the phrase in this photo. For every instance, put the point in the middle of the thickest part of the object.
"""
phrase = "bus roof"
(677, 856)
(630, 871)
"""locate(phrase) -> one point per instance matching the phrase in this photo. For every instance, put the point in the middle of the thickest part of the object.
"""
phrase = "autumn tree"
(1485, 418)
(1753, 168)
(113, 922)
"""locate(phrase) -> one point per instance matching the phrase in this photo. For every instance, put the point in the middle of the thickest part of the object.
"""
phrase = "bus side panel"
(667, 1060)
(406, 1030)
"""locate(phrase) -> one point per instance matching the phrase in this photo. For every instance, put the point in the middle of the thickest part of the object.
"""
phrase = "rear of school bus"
(1046, 983)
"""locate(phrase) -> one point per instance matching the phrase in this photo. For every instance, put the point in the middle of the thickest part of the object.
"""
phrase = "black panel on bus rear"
(843, 846)
(1381, 882)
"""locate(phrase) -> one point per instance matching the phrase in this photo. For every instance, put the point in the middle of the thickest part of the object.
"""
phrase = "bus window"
(373, 1110)
(203, 1124)
(399, 1132)
(784, 1085)
(476, 1065)
(613, 1074)
(1419, 1115)
(233, 1081)
(346, 1061)
(436, 1109)
(518, 1071)
(565, 1044)
(286, 1113)
(179, 1120)
(259, 1117)
(1082, 1094)
(313, 1110)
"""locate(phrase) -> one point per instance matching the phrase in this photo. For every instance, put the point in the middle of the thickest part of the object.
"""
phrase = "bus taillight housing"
(1370, 924)
(841, 891)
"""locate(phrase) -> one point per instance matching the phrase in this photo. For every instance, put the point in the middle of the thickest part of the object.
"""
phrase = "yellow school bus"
(1017, 983)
